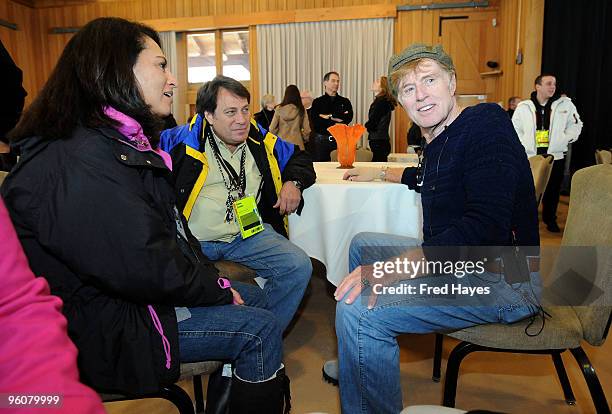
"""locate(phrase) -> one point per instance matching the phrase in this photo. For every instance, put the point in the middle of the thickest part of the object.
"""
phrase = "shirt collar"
(222, 144)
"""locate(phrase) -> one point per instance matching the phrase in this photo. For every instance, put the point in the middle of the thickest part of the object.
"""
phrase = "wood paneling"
(531, 42)
(508, 26)
(293, 16)
(472, 41)
(35, 41)
(521, 24)
(181, 73)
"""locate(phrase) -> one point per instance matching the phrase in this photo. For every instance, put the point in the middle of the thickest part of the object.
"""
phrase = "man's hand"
(336, 119)
(325, 116)
(288, 198)
(351, 286)
(362, 174)
(237, 298)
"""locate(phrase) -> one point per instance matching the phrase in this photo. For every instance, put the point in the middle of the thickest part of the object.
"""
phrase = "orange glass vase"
(346, 137)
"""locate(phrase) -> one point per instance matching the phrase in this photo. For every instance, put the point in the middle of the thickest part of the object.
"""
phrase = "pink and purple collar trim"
(131, 129)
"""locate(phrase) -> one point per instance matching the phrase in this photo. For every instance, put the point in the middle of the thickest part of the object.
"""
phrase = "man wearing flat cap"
(476, 190)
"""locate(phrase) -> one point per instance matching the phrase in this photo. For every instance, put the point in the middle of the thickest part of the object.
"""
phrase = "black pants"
(7, 161)
(550, 200)
(320, 146)
(381, 149)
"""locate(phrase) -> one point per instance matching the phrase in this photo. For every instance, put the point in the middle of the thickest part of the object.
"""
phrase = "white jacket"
(565, 126)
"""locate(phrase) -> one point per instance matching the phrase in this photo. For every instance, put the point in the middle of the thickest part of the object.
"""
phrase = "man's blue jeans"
(246, 335)
(368, 353)
(284, 266)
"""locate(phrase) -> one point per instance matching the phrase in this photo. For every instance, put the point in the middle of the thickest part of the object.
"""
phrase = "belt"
(497, 265)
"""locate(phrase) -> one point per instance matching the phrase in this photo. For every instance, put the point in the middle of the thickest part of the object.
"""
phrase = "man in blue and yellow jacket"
(235, 184)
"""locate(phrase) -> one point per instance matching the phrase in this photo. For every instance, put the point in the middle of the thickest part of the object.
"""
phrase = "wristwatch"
(298, 184)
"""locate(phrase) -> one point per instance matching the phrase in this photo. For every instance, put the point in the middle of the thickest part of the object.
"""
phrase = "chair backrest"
(361, 154)
(603, 156)
(589, 223)
(541, 167)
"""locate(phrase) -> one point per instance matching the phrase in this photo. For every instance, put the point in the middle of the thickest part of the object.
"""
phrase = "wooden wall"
(530, 42)
(36, 50)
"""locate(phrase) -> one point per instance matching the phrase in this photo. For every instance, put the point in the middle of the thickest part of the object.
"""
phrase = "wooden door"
(472, 39)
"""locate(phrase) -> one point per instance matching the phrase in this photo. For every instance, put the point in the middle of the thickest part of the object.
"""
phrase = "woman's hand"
(237, 298)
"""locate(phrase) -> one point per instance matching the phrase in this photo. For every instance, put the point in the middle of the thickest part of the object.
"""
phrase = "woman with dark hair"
(290, 120)
(93, 204)
(379, 117)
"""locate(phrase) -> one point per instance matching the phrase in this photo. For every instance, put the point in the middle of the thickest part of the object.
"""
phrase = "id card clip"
(247, 216)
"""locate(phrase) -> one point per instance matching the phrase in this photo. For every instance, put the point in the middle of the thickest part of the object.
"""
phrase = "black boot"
(218, 394)
(552, 226)
(268, 397)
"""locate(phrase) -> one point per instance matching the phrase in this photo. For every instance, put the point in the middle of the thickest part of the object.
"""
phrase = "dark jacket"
(338, 106)
(278, 162)
(414, 136)
(14, 94)
(13, 101)
(96, 218)
(264, 117)
(379, 118)
(477, 186)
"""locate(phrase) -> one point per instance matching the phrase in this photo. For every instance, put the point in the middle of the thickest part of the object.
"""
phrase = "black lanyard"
(234, 181)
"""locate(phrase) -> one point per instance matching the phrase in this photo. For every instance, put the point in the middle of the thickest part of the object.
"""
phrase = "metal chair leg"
(177, 396)
(563, 379)
(597, 393)
(437, 360)
(452, 370)
(198, 395)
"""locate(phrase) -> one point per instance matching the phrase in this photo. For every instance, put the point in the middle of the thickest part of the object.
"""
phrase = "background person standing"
(512, 103)
(379, 118)
(327, 110)
(290, 119)
(546, 124)
(264, 117)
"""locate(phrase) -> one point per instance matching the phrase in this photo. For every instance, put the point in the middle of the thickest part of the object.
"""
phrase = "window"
(236, 55)
(201, 64)
(212, 53)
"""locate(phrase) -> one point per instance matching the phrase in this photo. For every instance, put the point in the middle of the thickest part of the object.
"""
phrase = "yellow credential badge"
(248, 217)
(542, 138)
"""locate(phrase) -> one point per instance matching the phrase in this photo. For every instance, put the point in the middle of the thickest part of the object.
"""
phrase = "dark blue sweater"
(477, 185)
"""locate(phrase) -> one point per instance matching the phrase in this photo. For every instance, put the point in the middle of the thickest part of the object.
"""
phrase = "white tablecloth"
(336, 210)
(403, 157)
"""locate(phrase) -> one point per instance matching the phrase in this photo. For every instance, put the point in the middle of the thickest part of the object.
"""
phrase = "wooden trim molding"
(9, 25)
(274, 17)
(254, 63)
